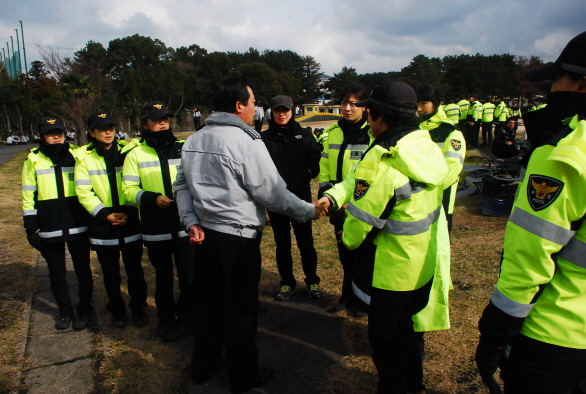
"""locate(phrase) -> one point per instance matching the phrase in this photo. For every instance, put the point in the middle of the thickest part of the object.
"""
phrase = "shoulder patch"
(252, 134)
(456, 144)
(542, 191)
(360, 189)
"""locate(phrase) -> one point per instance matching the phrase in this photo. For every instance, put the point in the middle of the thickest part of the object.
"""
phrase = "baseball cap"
(572, 59)
(281, 101)
(154, 110)
(99, 120)
(49, 123)
(390, 95)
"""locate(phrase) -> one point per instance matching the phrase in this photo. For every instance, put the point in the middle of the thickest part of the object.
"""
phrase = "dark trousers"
(346, 259)
(196, 123)
(137, 287)
(395, 348)
(281, 225)
(162, 259)
(54, 254)
(227, 273)
(486, 133)
(474, 132)
(541, 368)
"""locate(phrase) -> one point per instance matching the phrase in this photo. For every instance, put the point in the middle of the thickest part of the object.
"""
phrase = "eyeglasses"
(350, 103)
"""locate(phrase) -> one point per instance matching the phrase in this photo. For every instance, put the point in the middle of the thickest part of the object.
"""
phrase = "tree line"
(136, 69)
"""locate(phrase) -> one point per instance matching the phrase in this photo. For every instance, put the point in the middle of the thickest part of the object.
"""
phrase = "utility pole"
(23, 49)
(18, 47)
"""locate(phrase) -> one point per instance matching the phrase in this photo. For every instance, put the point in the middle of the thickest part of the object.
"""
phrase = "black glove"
(34, 240)
(488, 356)
(497, 328)
(323, 189)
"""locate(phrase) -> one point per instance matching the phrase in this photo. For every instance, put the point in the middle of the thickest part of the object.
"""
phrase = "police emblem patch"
(456, 145)
(355, 155)
(158, 106)
(542, 191)
(51, 121)
(361, 189)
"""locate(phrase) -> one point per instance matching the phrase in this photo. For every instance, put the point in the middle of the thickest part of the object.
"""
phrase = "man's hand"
(164, 202)
(196, 235)
(321, 207)
(34, 240)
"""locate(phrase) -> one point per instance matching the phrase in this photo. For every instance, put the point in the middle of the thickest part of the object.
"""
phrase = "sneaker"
(285, 293)
(314, 291)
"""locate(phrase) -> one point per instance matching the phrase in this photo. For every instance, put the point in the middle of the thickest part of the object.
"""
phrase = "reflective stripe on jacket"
(143, 180)
(412, 175)
(351, 152)
(543, 272)
(99, 189)
(50, 205)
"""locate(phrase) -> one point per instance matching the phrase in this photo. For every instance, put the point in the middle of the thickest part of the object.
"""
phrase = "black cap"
(572, 59)
(154, 110)
(99, 120)
(49, 123)
(390, 95)
(281, 101)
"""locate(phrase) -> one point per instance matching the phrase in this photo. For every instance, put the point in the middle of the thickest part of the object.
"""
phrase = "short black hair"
(427, 93)
(395, 118)
(231, 91)
(357, 91)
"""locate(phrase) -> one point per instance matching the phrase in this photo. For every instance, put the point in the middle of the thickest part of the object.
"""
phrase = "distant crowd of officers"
(388, 174)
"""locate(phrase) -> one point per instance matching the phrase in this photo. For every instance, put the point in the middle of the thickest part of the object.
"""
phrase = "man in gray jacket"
(224, 184)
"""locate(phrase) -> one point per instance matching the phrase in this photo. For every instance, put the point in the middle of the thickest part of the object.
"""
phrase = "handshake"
(321, 207)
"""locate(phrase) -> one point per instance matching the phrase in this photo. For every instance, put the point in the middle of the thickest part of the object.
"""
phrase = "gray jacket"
(227, 178)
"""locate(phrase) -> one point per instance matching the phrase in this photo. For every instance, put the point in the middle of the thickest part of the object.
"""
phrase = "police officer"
(501, 114)
(452, 111)
(114, 227)
(226, 180)
(394, 199)
(148, 175)
(487, 119)
(349, 138)
(535, 323)
(296, 155)
(54, 217)
(473, 118)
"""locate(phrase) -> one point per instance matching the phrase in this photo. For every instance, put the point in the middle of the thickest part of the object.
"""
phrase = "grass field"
(134, 360)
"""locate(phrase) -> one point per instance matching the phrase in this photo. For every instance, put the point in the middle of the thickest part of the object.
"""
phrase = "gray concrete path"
(60, 362)
(8, 152)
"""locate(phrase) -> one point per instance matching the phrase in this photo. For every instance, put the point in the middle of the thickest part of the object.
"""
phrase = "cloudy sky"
(369, 35)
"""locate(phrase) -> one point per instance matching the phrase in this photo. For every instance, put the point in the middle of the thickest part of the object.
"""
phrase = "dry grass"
(135, 360)
(15, 275)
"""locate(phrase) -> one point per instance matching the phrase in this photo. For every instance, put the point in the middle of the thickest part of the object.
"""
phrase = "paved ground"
(8, 152)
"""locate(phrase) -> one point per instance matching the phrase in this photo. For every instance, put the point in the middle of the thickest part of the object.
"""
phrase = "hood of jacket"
(419, 158)
(227, 119)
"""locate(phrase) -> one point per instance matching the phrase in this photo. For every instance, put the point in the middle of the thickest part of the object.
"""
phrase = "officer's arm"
(184, 199)
(262, 180)
(314, 157)
(28, 192)
(131, 183)
(324, 165)
(86, 195)
(454, 151)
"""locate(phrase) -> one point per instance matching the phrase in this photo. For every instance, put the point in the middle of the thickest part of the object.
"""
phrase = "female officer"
(148, 175)
(348, 139)
(114, 228)
(394, 198)
(53, 216)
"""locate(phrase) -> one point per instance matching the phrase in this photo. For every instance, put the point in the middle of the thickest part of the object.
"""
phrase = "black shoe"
(262, 377)
(177, 331)
(201, 377)
(164, 327)
(140, 319)
(63, 323)
(82, 321)
(119, 321)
